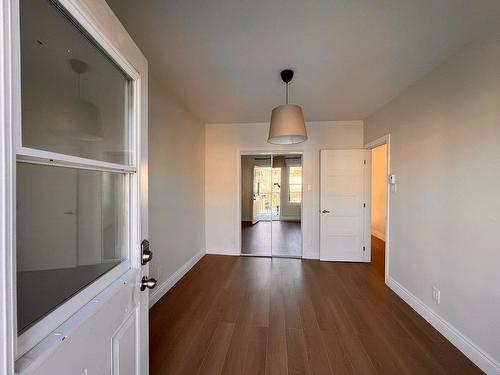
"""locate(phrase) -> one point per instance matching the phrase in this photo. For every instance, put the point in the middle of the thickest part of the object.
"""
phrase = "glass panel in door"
(71, 229)
(75, 100)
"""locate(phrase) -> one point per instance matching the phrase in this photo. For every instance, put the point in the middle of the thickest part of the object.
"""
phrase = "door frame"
(384, 140)
(7, 209)
(97, 19)
(265, 151)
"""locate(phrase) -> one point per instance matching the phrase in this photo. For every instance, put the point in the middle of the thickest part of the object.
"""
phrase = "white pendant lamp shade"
(287, 121)
(287, 125)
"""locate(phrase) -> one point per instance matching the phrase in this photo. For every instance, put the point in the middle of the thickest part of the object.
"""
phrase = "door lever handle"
(147, 282)
(325, 212)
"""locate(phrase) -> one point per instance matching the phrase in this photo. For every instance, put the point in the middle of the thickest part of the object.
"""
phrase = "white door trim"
(264, 151)
(386, 139)
(7, 160)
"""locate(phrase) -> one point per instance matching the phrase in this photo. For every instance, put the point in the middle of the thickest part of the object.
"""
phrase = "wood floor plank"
(316, 351)
(298, 361)
(213, 361)
(276, 358)
(255, 358)
(237, 315)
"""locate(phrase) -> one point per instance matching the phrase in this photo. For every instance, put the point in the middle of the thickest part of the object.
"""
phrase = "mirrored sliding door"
(271, 205)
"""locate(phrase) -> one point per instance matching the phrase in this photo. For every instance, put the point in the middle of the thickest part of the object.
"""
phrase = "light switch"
(309, 187)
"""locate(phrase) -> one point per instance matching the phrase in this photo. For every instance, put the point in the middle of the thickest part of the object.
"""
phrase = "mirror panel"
(271, 205)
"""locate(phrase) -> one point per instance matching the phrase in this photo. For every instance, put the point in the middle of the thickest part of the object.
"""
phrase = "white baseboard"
(379, 235)
(290, 218)
(484, 361)
(231, 252)
(310, 254)
(160, 290)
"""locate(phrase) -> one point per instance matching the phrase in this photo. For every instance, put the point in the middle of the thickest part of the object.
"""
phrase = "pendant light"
(287, 120)
(82, 118)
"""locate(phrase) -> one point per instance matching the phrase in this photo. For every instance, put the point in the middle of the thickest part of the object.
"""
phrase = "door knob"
(325, 212)
(147, 282)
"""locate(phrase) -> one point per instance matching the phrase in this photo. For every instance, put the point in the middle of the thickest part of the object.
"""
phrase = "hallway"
(236, 315)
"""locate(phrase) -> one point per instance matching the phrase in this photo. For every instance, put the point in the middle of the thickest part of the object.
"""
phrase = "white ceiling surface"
(222, 58)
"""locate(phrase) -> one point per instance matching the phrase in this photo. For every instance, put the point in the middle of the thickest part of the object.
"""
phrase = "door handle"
(146, 254)
(325, 212)
(147, 282)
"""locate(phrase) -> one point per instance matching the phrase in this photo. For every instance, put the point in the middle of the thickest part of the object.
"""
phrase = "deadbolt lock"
(146, 254)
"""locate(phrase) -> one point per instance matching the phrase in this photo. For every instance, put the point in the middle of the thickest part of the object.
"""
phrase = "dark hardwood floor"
(240, 315)
(286, 238)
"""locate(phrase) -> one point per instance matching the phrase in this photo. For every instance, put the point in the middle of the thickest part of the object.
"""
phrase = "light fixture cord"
(286, 94)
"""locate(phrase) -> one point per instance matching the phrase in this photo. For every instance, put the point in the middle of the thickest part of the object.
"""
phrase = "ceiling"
(221, 58)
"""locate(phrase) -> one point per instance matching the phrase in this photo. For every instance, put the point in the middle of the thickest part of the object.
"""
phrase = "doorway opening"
(379, 200)
(271, 205)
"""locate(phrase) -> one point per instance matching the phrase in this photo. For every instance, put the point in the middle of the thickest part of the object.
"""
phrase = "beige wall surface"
(176, 184)
(445, 215)
(379, 190)
(222, 184)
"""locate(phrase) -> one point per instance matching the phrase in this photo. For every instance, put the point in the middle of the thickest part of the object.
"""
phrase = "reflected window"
(295, 185)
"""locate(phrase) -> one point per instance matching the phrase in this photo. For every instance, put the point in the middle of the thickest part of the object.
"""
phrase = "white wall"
(379, 191)
(223, 142)
(445, 216)
(176, 184)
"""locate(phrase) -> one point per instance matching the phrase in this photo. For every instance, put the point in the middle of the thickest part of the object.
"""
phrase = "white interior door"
(87, 159)
(344, 206)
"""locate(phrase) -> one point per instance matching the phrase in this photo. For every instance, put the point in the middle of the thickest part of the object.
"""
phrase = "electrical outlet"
(436, 295)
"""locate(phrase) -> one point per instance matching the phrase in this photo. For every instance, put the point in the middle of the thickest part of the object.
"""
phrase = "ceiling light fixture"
(287, 120)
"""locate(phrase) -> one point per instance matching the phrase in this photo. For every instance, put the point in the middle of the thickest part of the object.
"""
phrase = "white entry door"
(344, 205)
(75, 87)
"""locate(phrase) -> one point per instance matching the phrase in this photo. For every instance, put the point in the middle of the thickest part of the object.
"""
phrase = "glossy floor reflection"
(286, 238)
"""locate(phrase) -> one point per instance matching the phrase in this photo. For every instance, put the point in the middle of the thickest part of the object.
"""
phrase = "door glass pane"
(71, 229)
(75, 100)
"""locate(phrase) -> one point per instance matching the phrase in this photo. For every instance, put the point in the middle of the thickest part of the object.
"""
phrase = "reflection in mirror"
(256, 204)
(70, 230)
(287, 206)
(271, 205)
